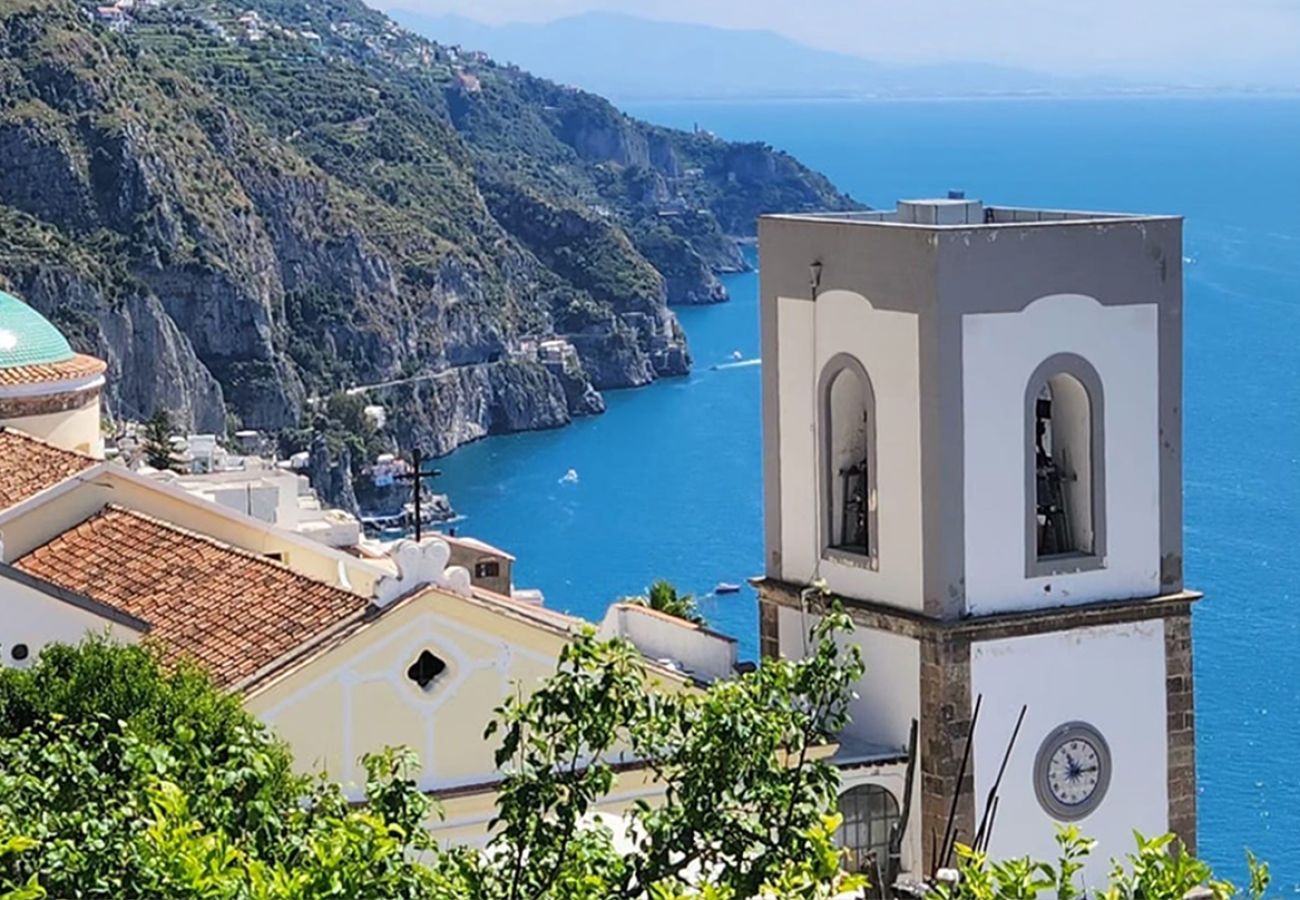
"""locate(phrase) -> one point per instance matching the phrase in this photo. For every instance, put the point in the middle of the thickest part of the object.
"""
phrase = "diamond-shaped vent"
(426, 669)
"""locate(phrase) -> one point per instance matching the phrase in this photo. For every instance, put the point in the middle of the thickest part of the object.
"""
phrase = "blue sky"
(1210, 41)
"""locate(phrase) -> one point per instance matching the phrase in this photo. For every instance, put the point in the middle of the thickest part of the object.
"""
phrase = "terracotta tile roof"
(232, 611)
(29, 466)
(80, 366)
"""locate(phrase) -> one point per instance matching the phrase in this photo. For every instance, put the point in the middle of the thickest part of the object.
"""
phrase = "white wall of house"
(893, 778)
(676, 642)
(889, 693)
(34, 619)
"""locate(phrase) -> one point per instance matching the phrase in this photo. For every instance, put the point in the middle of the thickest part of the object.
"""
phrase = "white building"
(972, 434)
(273, 495)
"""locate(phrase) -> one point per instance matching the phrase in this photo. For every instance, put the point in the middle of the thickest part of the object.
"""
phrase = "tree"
(664, 598)
(1158, 870)
(120, 779)
(745, 801)
(157, 440)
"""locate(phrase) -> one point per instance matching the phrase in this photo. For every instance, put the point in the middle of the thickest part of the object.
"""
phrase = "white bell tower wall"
(1070, 676)
(813, 336)
(1000, 353)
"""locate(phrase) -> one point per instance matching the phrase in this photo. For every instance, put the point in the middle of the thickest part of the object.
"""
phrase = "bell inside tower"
(1062, 454)
(848, 465)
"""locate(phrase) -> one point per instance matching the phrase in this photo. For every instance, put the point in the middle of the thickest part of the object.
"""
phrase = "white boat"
(726, 587)
(570, 477)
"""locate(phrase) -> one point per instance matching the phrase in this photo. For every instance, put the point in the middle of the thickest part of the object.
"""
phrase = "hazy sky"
(1191, 40)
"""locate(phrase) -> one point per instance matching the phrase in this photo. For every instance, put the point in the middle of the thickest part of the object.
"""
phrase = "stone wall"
(945, 726)
(1180, 708)
(769, 639)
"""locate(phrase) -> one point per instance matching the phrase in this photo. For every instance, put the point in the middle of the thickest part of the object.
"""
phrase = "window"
(870, 813)
(1064, 477)
(19, 652)
(848, 478)
(426, 669)
(490, 568)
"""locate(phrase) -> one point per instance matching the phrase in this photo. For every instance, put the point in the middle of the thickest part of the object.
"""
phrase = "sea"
(667, 483)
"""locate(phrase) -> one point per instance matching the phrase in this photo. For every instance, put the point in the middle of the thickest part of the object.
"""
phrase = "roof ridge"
(538, 613)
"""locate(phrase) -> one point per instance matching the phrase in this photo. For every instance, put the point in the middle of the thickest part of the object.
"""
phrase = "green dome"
(27, 338)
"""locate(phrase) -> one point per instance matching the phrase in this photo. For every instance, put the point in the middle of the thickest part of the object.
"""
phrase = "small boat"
(736, 354)
(570, 477)
(726, 587)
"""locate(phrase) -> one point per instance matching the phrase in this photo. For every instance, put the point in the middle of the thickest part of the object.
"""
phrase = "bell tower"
(972, 437)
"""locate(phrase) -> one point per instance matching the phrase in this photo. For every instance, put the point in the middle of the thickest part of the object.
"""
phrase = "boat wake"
(739, 365)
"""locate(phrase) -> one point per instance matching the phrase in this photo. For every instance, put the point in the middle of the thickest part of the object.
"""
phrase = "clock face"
(1072, 771)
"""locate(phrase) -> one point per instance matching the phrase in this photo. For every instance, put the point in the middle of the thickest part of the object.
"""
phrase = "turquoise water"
(669, 480)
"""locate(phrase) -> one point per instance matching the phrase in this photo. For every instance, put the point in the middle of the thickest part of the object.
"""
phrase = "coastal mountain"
(249, 206)
(630, 58)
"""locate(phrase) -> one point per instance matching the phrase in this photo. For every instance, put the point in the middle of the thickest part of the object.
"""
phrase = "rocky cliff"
(242, 206)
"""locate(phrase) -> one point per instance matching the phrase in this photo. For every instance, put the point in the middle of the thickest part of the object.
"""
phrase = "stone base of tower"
(944, 726)
(1181, 712)
(957, 659)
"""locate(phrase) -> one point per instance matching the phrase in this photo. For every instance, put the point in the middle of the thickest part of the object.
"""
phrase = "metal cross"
(416, 477)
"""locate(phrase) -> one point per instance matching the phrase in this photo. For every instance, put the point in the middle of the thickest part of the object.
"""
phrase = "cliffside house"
(272, 494)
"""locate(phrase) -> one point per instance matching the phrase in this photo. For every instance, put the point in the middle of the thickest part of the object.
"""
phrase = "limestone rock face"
(332, 476)
(471, 402)
(242, 227)
(581, 396)
(151, 363)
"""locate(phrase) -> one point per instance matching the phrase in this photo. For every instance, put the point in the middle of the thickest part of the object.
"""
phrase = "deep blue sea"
(669, 478)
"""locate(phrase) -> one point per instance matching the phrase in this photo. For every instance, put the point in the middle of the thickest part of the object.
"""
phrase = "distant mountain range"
(629, 58)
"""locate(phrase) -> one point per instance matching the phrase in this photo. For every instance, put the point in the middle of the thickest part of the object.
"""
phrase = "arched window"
(848, 439)
(1064, 466)
(870, 813)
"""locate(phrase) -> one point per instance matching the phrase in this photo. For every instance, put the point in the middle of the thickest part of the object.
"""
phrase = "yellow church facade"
(351, 699)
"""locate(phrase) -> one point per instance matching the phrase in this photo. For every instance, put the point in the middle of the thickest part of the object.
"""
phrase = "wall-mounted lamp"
(815, 276)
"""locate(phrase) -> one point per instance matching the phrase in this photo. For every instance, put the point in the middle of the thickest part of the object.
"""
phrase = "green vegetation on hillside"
(296, 198)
